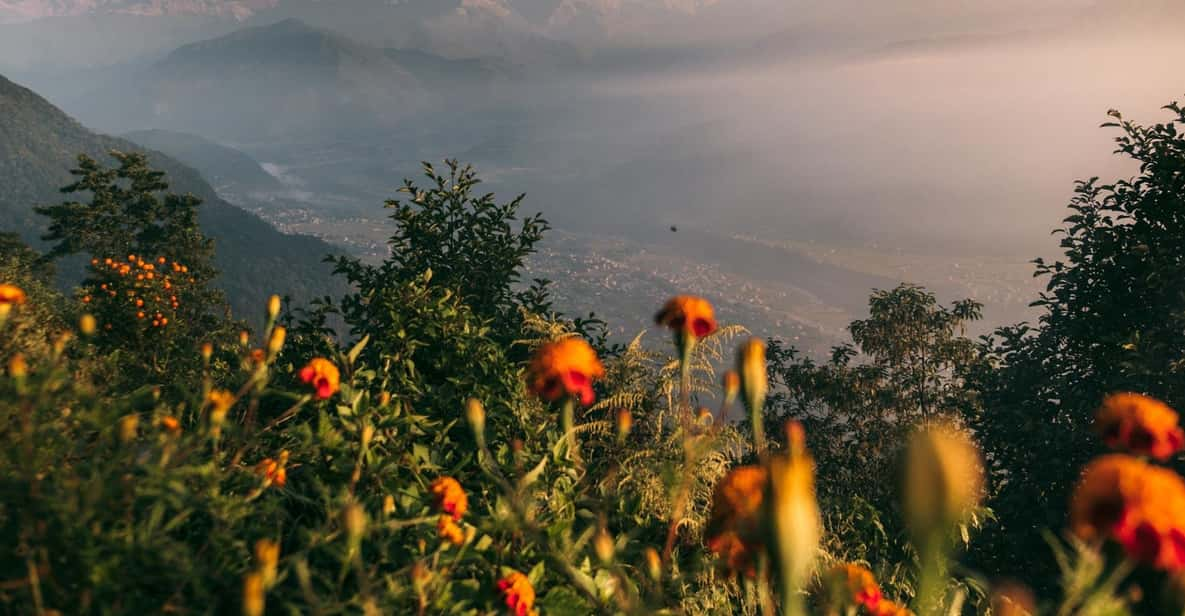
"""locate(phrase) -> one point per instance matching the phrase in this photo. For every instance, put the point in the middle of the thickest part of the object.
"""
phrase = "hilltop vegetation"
(464, 449)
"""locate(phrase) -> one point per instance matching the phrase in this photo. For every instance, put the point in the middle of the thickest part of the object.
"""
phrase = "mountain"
(230, 171)
(39, 145)
(286, 80)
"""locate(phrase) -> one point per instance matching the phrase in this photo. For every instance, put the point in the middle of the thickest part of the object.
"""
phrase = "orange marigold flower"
(450, 497)
(449, 530)
(518, 594)
(687, 315)
(860, 585)
(323, 376)
(734, 529)
(274, 471)
(565, 367)
(1140, 425)
(1138, 505)
(11, 294)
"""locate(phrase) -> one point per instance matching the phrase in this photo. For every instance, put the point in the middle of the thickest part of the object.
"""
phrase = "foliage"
(1112, 320)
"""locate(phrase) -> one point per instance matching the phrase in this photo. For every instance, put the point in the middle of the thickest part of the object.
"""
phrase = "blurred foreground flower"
(449, 531)
(274, 472)
(734, 529)
(1137, 505)
(689, 318)
(323, 376)
(943, 479)
(1140, 424)
(10, 295)
(518, 594)
(794, 522)
(858, 585)
(565, 367)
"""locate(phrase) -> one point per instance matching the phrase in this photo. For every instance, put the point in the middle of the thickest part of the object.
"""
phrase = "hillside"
(38, 146)
(228, 170)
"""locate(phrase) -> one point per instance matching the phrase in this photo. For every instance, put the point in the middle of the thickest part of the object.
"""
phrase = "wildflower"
(518, 594)
(734, 529)
(566, 367)
(688, 316)
(388, 505)
(1140, 424)
(244, 338)
(754, 385)
(858, 584)
(450, 497)
(653, 563)
(207, 351)
(273, 307)
(449, 531)
(890, 608)
(253, 594)
(943, 478)
(267, 554)
(323, 376)
(1139, 506)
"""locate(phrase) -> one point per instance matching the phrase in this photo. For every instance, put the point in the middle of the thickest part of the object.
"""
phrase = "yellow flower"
(276, 341)
(566, 367)
(323, 376)
(171, 424)
(794, 521)
(273, 306)
(18, 368)
(1140, 425)
(220, 402)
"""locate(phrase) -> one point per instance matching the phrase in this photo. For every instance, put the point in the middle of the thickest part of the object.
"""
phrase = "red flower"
(566, 367)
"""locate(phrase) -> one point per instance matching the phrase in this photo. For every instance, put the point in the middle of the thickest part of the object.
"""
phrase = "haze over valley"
(782, 158)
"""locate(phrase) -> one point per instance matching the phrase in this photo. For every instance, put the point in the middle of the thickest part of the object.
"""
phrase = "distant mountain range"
(13, 10)
(39, 145)
(284, 80)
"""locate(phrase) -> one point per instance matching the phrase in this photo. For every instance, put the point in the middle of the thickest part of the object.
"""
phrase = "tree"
(1113, 318)
(151, 268)
(858, 414)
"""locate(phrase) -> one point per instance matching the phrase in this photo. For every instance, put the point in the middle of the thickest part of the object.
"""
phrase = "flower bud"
(603, 546)
(267, 555)
(732, 386)
(943, 479)
(207, 351)
(475, 414)
(244, 338)
(128, 426)
(384, 398)
(87, 325)
(653, 564)
(253, 594)
(625, 421)
(388, 505)
(754, 386)
(795, 525)
(354, 521)
(276, 341)
(367, 435)
(1011, 599)
(273, 307)
(18, 368)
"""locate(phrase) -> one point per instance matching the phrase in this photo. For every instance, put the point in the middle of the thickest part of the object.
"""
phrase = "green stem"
(567, 423)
